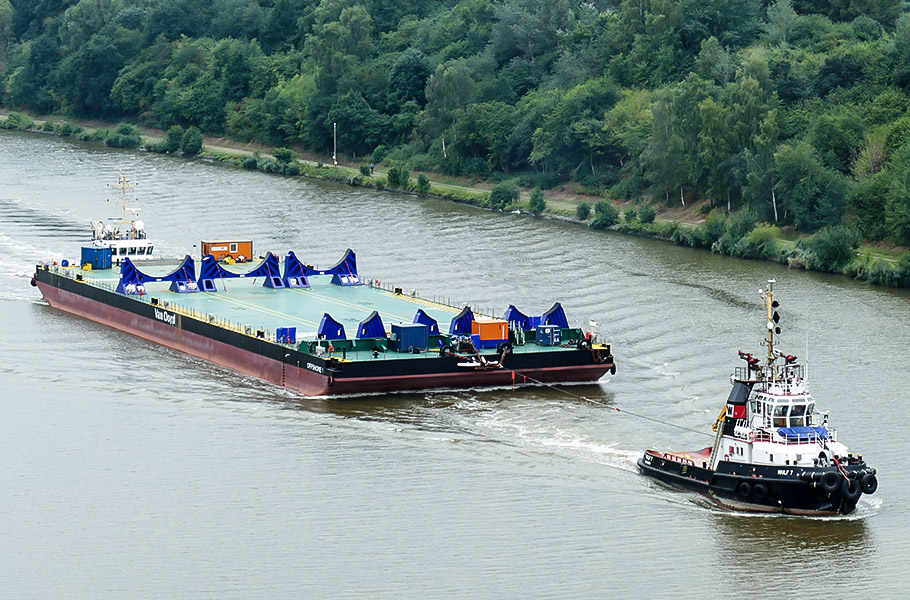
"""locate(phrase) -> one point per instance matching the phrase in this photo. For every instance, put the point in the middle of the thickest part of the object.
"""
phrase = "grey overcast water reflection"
(134, 471)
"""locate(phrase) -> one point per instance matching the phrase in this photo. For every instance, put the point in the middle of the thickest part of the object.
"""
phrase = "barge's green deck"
(247, 306)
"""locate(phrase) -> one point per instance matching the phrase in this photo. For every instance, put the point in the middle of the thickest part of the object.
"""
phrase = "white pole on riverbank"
(335, 144)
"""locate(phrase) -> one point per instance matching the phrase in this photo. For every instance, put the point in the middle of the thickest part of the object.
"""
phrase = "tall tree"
(761, 168)
(812, 195)
(408, 78)
(665, 161)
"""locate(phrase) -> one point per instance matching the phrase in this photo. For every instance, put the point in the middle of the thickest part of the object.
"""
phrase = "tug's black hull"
(761, 488)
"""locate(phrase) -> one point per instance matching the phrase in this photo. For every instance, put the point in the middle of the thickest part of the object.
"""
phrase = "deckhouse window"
(132, 250)
(150, 250)
(780, 415)
(141, 249)
(233, 247)
(123, 251)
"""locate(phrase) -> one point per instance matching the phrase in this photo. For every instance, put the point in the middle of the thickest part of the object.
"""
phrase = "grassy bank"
(833, 249)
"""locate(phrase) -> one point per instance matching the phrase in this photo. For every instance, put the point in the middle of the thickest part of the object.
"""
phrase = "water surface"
(132, 470)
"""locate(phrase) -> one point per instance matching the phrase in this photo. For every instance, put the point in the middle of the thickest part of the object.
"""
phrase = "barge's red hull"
(307, 379)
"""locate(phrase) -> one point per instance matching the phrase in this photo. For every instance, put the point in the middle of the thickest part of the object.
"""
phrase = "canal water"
(131, 470)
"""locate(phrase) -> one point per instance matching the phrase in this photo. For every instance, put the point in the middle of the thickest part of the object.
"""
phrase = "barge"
(319, 332)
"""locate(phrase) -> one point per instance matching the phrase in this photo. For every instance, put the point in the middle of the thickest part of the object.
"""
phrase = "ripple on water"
(135, 470)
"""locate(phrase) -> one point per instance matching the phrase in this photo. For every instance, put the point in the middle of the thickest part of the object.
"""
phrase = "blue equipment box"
(407, 337)
(97, 256)
(286, 335)
(549, 335)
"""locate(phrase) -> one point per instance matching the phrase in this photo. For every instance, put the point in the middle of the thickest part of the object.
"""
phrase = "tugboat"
(773, 451)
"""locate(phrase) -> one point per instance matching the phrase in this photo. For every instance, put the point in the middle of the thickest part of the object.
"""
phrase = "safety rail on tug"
(789, 379)
(773, 437)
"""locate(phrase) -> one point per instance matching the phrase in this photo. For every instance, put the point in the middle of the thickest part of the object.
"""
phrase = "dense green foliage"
(504, 194)
(537, 203)
(794, 109)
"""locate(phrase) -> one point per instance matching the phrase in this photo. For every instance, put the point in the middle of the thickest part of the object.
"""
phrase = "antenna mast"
(771, 303)
(124, 185)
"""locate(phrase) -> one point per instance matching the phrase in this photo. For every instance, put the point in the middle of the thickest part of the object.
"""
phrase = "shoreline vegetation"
(833, 249)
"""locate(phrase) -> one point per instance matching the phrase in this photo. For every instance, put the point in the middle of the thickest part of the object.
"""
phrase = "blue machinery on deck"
(132, 279)
(183, 278)
(296, 275)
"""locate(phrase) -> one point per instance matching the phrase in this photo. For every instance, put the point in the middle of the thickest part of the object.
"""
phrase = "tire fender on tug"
(830, 482)
(759, 491)
(868, 483)
(745, 489)
(850, 489)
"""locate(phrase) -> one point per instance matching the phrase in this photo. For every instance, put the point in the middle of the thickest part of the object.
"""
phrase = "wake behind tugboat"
(773, 451)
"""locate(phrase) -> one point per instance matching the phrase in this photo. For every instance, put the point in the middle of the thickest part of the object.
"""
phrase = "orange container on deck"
(490, 329)
(233, 248)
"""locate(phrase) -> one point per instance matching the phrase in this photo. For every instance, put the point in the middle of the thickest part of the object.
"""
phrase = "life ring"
(745, 489)
(331, 348)
(830, 481)
(850, 489)
(759, 491)
(868, 483)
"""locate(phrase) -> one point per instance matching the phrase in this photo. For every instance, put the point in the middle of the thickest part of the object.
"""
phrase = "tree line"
(794, 109)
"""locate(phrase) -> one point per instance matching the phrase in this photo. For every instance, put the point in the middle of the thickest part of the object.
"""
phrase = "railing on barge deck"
(77, 274)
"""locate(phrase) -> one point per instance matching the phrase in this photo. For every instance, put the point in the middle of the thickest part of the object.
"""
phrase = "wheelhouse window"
(132, 250)
(150, 250)
(141, 249)
(798, 415)
(122, 250)
(780, 415)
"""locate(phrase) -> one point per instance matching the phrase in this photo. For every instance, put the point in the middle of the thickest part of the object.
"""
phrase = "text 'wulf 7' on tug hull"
(271, 320)
(773, 452)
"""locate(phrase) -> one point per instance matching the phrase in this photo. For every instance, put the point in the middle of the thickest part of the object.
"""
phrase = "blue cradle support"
(294, 276)
(555, 316)
(343, 273)
(330, 329)
(371, 327)
(461, 323)
(513, 315)
(425, 319)
(211, 271)
(130, 274)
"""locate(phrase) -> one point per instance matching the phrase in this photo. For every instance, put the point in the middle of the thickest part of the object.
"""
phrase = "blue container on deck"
(97, 256)
(549, 335)
(407, 337)
(286, 335)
